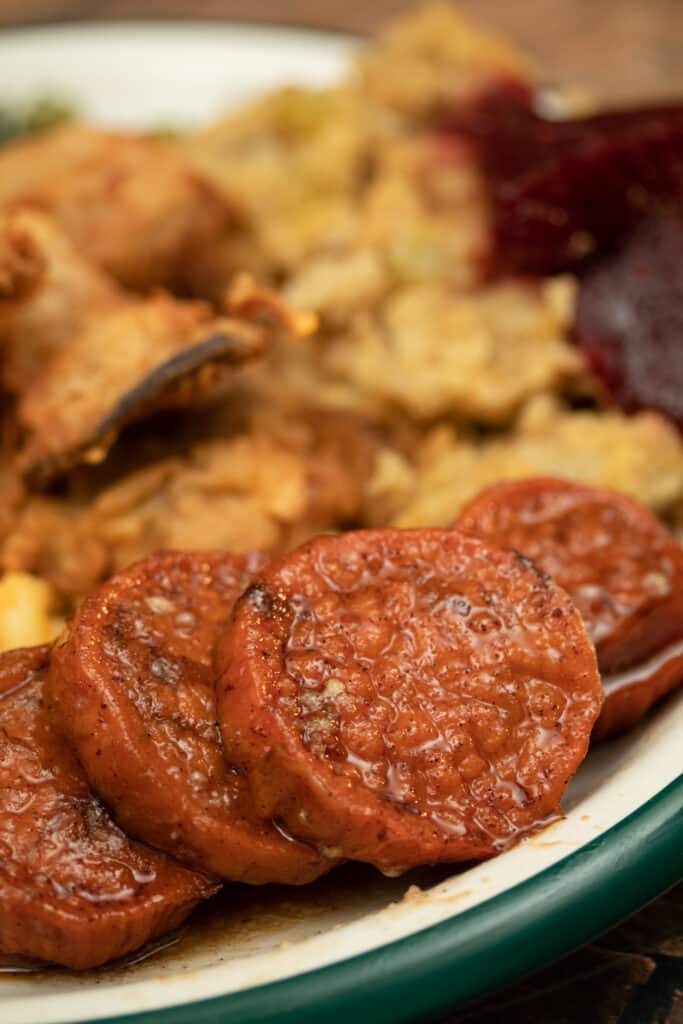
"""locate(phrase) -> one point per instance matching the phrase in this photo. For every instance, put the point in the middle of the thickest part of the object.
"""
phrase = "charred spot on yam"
(157, 354)
(260, 597)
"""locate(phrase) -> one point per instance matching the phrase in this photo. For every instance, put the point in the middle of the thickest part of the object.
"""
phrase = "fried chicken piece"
(67, 291)
(268, 488)
(150, 354)
(641, 455)
(86, 357)
(11, 489)
(275, 482)
(132, 205)
(47, 540)
(22, 265)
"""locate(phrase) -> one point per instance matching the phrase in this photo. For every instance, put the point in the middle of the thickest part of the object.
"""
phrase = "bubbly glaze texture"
(73, 888)
(407, 696)
(134, 687)
(622, 568)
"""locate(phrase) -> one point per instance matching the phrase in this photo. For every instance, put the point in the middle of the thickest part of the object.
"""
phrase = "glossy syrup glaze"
(622, 568)
(73, 888)
(134, 687)
(631, 693)
(432, 684)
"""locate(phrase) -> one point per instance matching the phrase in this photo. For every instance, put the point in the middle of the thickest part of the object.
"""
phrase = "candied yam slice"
(622, 569)
(73, 888)
(563, 189)
(407, 696)
(629, 317)
(134, 686)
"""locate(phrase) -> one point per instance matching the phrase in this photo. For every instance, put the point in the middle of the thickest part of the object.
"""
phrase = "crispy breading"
(132, 205)
(47, 540)
(274, 483)
(86, 357)
(11, 490)
(641, 455)
(22, 265)
(149, 354)
(269, 488)
(68, 292)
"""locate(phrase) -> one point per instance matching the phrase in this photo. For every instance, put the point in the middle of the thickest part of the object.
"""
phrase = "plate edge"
(632, 863)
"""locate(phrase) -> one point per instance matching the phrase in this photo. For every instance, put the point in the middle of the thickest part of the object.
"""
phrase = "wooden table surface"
(619, 49)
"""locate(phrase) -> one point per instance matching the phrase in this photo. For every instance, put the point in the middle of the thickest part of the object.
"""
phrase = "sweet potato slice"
(404, 697)
(622, 568)
(134, 686)
(73, 888)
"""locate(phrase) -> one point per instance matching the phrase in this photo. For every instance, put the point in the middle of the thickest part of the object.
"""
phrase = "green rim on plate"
(476, 951)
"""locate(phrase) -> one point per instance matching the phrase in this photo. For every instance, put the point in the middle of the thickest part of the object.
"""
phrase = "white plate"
(620, 843)
(137, 74)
